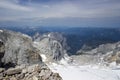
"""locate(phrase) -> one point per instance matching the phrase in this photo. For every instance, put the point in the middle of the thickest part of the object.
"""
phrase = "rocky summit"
(20, 60)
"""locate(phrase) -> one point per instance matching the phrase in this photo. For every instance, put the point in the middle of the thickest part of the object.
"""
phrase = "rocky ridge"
(18, 49)
(33, 72)
(103, 54)
(53, 45)
(20, 60)
(24, 58)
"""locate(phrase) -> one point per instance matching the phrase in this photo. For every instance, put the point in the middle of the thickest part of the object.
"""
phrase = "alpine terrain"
(21, 60)
(46, 57)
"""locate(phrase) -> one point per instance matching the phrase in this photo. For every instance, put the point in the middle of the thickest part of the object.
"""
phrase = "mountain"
(101, 63)
(53, 45)
(20, 60)
(45, 56)
(107, 53)
(76, 37)
(17, 47)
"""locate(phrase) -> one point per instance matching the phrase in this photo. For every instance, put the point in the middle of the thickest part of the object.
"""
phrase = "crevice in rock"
(8, 65)
(2, 51)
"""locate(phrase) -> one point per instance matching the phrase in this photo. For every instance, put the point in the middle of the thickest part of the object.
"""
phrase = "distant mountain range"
(76, 37)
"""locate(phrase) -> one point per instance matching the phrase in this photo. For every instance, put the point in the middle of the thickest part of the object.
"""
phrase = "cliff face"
(20, 60)
(18, 49)
(52, 45)
(2, 51)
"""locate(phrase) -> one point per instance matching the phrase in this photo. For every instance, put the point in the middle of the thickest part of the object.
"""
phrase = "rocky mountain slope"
(26, 58)
(104, 54)
(101, 63)
(20, 60)
(53, 45)
(18, 49)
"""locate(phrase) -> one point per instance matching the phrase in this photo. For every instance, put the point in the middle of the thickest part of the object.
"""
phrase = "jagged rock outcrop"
(107, 53)
(52, 45)
(20, 60)
(33, 72)
(18, 49)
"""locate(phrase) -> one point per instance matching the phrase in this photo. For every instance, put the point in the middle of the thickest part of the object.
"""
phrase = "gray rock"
(53, 45)
(2, 50)
(1, 76)
(40, 73)
(20, 76)
(106, 53)
(13, 71)
(2, 70)
(18, 49)
(33, 72)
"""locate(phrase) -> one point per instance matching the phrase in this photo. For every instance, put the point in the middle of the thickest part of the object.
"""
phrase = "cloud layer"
(17, 10)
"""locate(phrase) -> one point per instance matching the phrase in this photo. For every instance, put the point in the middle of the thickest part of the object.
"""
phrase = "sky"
(69, 13)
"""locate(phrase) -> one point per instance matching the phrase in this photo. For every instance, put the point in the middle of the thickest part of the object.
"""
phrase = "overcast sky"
(76, 13)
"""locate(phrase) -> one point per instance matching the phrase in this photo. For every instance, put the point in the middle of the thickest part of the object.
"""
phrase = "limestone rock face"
(107, 53)
(2, 50)
(113, 57)
(20, 60)
(17, 48)
(52, 45)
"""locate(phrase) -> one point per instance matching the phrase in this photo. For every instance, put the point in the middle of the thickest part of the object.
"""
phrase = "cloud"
(14, 10)
(12, 5)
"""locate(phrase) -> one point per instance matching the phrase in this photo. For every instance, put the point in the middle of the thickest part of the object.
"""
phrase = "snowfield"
(70, 72)
(70, 69)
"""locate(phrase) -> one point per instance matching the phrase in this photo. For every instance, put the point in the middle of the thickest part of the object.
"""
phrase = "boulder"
(13, 71)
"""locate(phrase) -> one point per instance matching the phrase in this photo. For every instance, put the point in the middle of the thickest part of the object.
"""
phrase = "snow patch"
(1, 30)
(44, 58)
(26, 36)
(49, 35)
(113, 64)
(65, 60)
